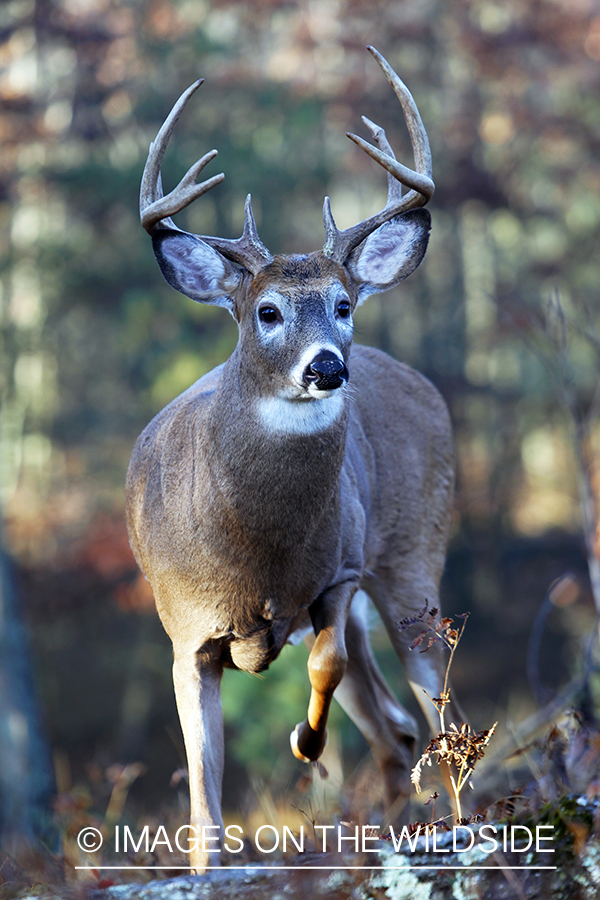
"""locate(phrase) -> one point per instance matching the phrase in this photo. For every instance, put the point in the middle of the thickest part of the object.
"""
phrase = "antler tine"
(248, 250)
(339, 244)
(185, 193)
(380, 138)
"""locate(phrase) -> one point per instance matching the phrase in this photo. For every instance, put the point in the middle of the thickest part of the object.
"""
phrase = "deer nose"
(326, 371)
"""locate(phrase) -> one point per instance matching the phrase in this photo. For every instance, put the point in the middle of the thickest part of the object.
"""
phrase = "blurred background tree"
(94, 342)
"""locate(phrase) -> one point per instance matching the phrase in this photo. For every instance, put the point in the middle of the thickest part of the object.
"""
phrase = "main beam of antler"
(414, 123)
(153, 206)
(339, 244)
(156, 209)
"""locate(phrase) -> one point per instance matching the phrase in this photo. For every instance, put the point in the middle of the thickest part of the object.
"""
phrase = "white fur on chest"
(300, 416)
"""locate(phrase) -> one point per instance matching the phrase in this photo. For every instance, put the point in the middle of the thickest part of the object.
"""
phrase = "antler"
(156, 209)
(339, 244)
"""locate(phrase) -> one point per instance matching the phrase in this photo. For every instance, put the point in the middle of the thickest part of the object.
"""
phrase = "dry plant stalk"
(460, 748)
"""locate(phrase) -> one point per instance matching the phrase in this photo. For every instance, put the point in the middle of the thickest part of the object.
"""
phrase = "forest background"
(93, 342)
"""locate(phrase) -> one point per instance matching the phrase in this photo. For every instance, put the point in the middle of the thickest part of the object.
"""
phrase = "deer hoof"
(307, 745)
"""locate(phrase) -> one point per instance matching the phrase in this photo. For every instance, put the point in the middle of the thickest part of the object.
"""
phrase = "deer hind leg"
(403, 596)
(425, 671)
(366, 698)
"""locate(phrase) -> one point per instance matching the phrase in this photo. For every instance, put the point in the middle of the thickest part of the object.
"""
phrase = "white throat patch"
(300, 416)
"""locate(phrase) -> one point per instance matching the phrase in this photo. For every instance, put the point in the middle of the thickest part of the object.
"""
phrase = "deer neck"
(276, 474)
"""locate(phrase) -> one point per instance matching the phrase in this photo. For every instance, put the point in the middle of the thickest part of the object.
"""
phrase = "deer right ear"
(390, 253)
(194, 268)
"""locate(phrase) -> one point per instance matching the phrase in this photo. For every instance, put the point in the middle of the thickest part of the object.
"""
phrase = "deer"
(306, 474)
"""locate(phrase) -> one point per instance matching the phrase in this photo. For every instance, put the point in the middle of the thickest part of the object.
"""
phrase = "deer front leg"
(197, 680)
(326, 666)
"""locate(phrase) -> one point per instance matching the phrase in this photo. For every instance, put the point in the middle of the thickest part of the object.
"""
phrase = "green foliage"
(573, 824)
(262, 710)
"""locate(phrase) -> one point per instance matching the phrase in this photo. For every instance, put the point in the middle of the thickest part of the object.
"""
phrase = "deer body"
(341, 514)
(266, 495)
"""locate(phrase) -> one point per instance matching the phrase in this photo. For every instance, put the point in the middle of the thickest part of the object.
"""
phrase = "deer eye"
(343, 309)
(269, 314)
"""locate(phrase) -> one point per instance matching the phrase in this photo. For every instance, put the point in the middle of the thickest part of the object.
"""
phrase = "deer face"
(294, 312)
(296, 328)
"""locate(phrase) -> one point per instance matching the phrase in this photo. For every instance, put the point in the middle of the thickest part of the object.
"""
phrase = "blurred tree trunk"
(26, 780)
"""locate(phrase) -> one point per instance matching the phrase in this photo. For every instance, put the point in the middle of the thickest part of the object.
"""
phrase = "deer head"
(295, 312)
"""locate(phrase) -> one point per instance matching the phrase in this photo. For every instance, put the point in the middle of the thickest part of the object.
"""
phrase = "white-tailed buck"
(261, 499)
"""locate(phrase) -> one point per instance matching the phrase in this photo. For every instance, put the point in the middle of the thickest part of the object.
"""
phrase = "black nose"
(327, 371)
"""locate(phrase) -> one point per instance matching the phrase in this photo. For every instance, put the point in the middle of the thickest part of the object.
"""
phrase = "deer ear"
(390, 253)
(194, 268)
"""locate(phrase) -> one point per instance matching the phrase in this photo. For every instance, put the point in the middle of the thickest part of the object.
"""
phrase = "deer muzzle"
(326, 371)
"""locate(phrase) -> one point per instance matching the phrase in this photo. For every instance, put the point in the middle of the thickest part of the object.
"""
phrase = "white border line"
(324, 868)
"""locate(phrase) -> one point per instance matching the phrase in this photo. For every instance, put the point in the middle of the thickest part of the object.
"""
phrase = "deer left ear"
(390, 253)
